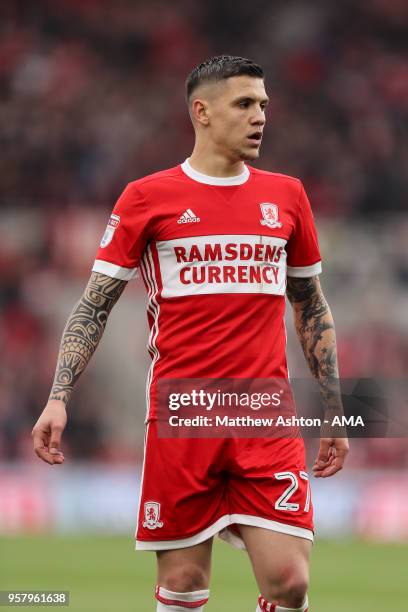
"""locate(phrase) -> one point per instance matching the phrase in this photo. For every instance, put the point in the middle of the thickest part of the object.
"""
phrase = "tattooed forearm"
(83, 332)
(315, 329)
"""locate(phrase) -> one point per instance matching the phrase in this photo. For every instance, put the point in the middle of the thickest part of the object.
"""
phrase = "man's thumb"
(323, 450)
(55, 440)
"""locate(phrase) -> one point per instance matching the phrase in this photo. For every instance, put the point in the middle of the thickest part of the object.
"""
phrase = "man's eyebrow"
(264, 100)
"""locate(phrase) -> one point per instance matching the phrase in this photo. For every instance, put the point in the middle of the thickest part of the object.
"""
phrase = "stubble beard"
(249, 156)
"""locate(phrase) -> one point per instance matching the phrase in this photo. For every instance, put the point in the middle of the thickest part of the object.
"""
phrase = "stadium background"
(91, 98)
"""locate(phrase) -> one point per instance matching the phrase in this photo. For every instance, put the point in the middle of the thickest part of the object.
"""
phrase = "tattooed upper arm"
(314, 325)
(315, 329)
(302, 289)
(84, 330)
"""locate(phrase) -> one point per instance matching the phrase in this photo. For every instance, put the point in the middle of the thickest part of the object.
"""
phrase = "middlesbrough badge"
(152, 515)
(270, 214)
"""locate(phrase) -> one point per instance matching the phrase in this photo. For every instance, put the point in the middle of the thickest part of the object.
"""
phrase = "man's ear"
(199, 111)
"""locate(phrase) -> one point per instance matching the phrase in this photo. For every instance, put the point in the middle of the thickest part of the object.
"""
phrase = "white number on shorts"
(305, 476)
(283, 502)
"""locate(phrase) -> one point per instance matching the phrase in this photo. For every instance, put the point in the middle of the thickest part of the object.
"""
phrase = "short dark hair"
(219, 68)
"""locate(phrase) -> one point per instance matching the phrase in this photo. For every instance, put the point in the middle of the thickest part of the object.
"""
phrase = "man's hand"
(331, 457)
(48, 430)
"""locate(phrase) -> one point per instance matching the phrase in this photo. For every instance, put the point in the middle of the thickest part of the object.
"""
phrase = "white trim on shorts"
(257, 521)
(220, 527)
(202, 536)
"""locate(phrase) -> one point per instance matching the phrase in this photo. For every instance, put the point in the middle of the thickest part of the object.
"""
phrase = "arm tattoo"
(315, 329)
(83, 331)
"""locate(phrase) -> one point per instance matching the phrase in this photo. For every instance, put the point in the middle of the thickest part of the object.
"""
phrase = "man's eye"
(244, 104)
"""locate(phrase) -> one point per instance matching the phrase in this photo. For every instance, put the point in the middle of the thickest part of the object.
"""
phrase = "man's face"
(235, 109)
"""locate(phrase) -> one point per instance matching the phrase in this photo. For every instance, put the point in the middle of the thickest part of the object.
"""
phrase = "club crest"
(110, 230)
(152, 515)
(270, 214)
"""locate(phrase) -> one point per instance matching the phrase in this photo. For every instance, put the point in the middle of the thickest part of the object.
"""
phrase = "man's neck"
(215, 164)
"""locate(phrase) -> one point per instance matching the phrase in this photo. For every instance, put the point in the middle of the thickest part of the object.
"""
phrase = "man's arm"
(81, 336)
(315, 329)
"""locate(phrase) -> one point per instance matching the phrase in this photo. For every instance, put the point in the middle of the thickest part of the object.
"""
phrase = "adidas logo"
(188, 217)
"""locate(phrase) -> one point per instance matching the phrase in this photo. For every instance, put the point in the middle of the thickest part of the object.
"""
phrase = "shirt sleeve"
(125, 237)
(303, 255)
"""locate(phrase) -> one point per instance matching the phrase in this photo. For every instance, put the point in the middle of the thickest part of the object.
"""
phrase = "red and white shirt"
(214, 254)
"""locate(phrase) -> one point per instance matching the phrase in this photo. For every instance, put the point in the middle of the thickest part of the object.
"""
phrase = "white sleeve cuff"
(305, 271)
(110, 269)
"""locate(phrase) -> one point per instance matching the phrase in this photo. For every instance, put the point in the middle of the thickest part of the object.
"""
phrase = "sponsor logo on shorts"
(152, 515)
(270, 214)
(110, 230)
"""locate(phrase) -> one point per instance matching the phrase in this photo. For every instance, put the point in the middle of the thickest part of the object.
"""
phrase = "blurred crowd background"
(92, 97)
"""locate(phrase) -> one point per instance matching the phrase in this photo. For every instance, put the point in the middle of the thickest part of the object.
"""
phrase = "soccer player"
(218, 243)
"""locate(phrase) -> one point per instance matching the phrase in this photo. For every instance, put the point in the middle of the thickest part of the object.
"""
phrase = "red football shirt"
(214, 254)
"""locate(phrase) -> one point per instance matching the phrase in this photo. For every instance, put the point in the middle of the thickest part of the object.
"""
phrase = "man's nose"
(259, 117)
